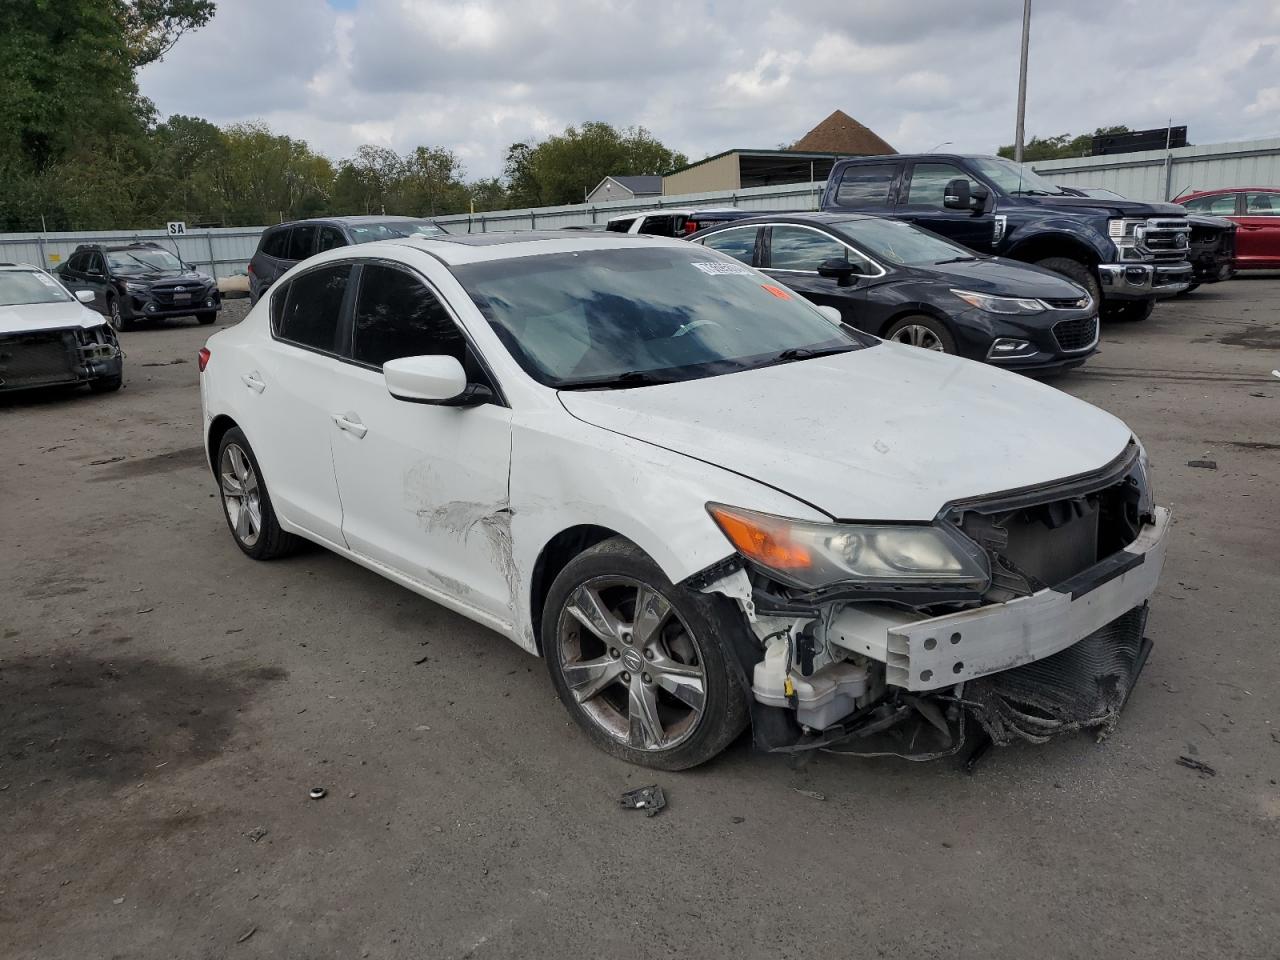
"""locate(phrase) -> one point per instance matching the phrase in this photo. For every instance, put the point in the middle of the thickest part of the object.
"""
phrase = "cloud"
(706, 75)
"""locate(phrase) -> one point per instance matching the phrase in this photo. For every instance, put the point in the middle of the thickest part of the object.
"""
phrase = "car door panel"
(424, 486)
(920, 203)
(1258, 236)
(794, 261)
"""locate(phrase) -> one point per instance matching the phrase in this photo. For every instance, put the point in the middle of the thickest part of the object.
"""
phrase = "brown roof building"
(842, 134)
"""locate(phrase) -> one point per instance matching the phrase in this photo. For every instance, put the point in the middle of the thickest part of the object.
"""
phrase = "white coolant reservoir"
(830, 694)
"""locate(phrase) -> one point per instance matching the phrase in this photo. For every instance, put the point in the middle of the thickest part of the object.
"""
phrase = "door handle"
(350, 423)
(254, 381)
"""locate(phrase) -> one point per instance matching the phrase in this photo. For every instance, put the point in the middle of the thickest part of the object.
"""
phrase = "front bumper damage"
(882, 678)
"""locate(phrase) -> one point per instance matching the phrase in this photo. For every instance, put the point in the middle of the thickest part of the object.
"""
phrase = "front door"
(792, 254)
(1258, 236)
(424, 487)
(920, 202)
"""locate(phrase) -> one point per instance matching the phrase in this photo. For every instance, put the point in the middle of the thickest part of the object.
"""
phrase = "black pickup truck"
(1125, 253)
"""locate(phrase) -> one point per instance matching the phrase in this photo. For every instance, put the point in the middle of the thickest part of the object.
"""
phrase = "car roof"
(676, 211)
(462, 248)
(799, 216)
(354, 219)
(1225, 190)
(12, 267)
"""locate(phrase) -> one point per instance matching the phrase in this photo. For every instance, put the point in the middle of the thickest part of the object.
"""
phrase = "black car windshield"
(632, 316)
(366, 232)
(142, 261)
(1016, 178)
(900, 242)
(18, 287)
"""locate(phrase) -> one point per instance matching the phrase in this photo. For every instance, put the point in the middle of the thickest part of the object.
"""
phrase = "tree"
(1061, 146)
(562, 168)
(152, 27)
(266, 177)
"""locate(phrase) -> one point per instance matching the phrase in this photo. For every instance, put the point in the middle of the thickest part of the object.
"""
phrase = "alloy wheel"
(632, 663)
(116, 319)
(918, 335)
(241, 494)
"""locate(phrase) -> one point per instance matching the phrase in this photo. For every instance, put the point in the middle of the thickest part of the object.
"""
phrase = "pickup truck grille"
(1166, 238)
(1076, 334)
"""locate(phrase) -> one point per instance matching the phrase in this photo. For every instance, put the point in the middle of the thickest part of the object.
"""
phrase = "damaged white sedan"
(701, 500)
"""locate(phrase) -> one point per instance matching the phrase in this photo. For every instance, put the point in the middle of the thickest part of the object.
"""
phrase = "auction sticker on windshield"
(711, 268)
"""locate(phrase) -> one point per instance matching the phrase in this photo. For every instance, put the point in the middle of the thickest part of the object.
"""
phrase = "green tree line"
(82, 149)
(1062, 146)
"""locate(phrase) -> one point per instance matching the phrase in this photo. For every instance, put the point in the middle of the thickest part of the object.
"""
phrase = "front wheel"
(107, 384)
(1075, 271)
(207, 317)
(115, 316)
(246, 503)
(924, 332)
(641, 664)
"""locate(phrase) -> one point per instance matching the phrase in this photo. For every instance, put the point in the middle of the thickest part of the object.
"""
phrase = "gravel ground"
(166, 705)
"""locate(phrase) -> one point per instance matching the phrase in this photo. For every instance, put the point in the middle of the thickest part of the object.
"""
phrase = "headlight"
(1005, 305)
(134, 287)
(813, 555)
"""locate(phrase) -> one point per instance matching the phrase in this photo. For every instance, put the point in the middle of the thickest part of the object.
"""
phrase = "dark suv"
(139, 281)
(282, 246)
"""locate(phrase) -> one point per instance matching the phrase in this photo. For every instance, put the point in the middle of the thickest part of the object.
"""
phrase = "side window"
(929, 183)
(276, 244)
(799, 248)
(1223, 205)
(620, 226)
(311, 306)
(397, 315)
(865, 186)
(95, 267)
(660, 226)
(78, 262)
(330, 238)
(1262, 204)
(301, 242)
(739, 243)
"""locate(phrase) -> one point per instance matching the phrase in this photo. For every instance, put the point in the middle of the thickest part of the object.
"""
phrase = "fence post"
(213, 265)
(44, 257)
(533, 220)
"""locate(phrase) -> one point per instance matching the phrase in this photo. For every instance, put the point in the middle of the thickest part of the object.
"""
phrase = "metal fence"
(1154, 175)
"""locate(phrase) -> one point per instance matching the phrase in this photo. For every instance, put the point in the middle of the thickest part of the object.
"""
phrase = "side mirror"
(978, 198)
(432, 379)
(841, 271)
(831, 313)
(956, 195)
(84, 296)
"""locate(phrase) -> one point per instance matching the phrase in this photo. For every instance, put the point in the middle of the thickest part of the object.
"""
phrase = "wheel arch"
(1042, 246)
(913, 310)
(217, 430)
(554, 556)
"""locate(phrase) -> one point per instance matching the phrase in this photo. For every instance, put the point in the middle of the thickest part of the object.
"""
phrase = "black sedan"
(905, 284)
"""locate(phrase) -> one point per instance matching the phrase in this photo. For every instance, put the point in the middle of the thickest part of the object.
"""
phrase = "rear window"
(275, 243)
(620, 226)
(307, 310)
(302, 240)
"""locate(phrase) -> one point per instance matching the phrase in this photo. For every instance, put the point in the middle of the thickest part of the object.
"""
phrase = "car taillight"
(202, 358)
(690, 226)
(250, 268)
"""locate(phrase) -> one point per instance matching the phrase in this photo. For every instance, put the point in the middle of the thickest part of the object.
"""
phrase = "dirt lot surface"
(166, 705)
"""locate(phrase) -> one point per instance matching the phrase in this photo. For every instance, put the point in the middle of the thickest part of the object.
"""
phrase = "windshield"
(29, 286)
(142, 261)
(391, 229)
(901, 243)
(629, 317)
(1016, 178)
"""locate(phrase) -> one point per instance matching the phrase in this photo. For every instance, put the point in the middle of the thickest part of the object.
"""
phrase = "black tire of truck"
(1074, 270)
(207, 317)
(1127, 311)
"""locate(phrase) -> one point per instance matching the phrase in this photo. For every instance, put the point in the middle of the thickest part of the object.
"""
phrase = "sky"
(708, 75)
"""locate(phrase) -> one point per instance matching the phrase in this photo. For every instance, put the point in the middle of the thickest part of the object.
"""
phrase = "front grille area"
(1072, 303)
(36, 359)
(168, 295)
(1076, 334)
(1166, 239)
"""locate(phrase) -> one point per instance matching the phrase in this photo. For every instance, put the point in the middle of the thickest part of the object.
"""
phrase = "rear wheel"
(207, 317)
(1076, 271)
(246, 503)
(922, 331)
(1129, 311)
(641, 664)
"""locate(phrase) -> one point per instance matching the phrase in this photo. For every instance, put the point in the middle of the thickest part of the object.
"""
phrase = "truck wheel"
(1074, 270)
(925, 332)
(1130, 311)
(641, 664)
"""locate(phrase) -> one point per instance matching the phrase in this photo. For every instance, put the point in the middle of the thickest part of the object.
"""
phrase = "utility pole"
(1022, 81)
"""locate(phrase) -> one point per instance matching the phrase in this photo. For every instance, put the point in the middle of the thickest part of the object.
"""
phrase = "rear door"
(1258, 239)
(329, 238)
(866, 187)
(792, 253)
(738, 242)
(424, 487)
(920, 202)
(287, 386)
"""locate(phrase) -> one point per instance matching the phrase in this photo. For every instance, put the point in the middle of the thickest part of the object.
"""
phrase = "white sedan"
(699, 498)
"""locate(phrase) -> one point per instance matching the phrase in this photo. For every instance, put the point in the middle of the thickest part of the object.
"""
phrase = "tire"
(921, 331)
(238, 470)
(1076, 271)
(207, 317)
(1127, 311)
(116, 318)
(625, 701)
(107, 384)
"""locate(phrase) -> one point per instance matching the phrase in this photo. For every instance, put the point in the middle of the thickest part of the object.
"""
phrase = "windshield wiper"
(807, 353)
(631, 378)
(1039, 193)
(938, 263)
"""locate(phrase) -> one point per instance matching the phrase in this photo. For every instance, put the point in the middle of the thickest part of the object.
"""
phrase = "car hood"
(1000, 277)
(30, 317)
(886, 433)
(1205, 220)
(155, 275)
(1115, 208)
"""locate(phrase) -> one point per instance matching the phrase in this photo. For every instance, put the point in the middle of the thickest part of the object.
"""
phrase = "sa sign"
(177, 228)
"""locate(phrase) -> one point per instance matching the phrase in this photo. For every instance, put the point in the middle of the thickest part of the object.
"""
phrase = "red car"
(1256, 211)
